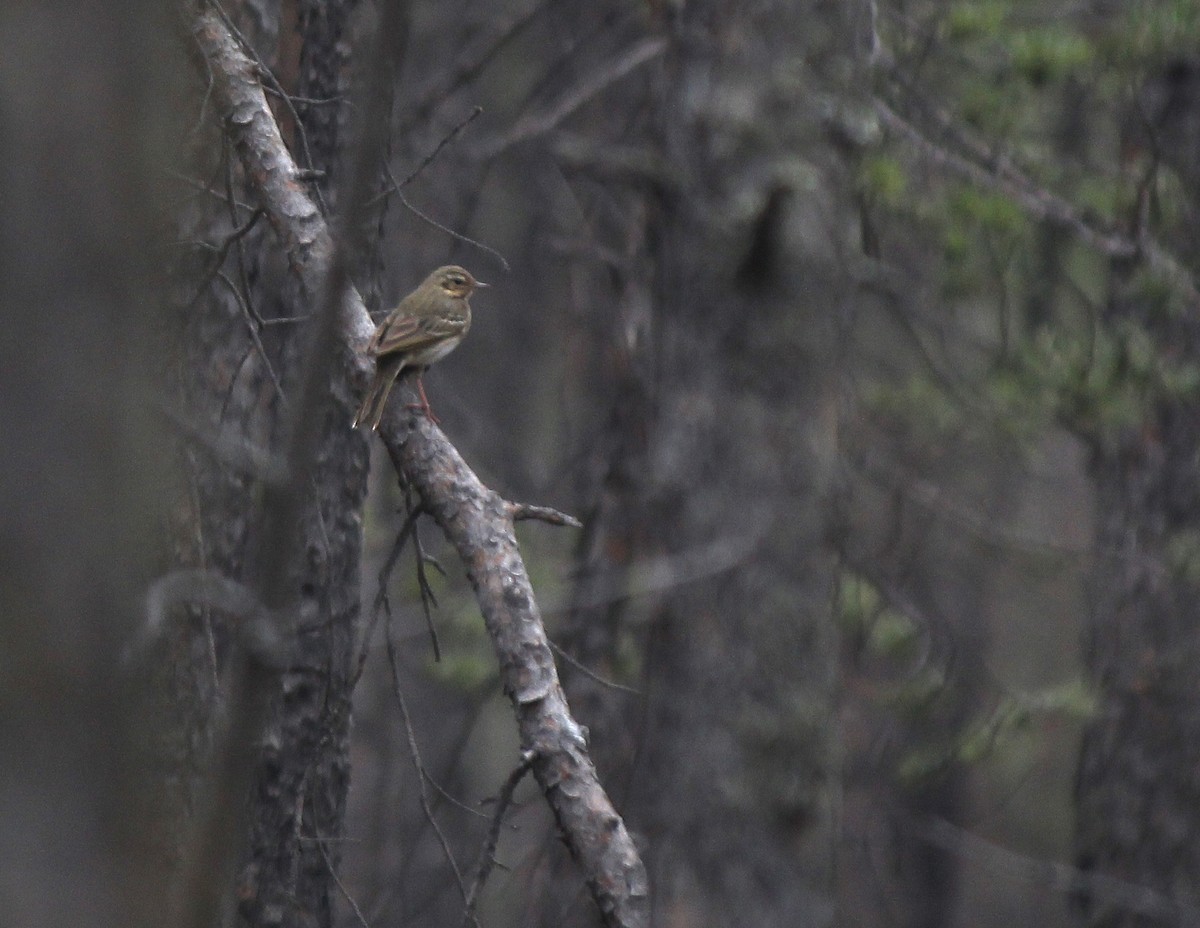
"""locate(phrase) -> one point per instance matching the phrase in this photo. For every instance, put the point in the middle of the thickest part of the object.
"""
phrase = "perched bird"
(426, 326)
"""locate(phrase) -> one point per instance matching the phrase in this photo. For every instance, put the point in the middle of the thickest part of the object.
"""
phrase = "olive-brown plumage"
(426, 326)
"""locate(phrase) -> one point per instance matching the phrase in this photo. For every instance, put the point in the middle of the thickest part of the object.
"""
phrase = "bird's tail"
(371, 411)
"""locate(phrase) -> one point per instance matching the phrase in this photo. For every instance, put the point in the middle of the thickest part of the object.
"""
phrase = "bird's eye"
(458, 280)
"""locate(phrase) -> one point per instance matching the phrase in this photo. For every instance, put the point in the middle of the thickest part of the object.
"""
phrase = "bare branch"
(256, 628)
(487, 856)
(381, 596)
(414, 753)
(523, 511)
(430, 221)
(429, 158)
(475, 519)
(340, 885)
(539, 123)
(269, 75)
(592, 675)
(479, 525)
(426, 591)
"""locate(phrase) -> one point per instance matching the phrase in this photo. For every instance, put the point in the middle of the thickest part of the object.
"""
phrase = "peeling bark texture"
(477, 521)
(298, 799)
(268, 166)
(479, 525)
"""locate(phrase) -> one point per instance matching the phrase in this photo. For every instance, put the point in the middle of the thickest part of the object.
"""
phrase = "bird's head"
(455, 281)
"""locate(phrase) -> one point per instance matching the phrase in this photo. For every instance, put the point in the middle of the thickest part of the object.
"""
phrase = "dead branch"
(475, 519)
(523, 511)
(487, 856)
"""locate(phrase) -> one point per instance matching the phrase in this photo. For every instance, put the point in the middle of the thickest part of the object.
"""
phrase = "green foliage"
(1111, 380)
(464, 669)
(1153, 30)
(1182, 555)
(1008, 727)
(991, 105)
(975, 226)
(971, 22)
(857, 602)
(883, 178)
(1049, 54)
(990, 211)
(1093, 384)
(893, 635)
(885, 632)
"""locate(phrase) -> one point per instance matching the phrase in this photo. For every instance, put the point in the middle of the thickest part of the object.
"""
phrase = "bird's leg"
(424, 404)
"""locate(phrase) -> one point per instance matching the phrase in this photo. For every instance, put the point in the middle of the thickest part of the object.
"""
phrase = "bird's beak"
(480, 283)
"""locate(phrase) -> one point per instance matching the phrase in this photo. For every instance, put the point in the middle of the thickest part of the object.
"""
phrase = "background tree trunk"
(84, 472)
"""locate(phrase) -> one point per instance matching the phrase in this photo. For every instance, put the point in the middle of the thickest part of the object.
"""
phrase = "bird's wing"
(407, 332)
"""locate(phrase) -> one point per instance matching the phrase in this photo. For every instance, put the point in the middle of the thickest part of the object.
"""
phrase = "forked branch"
(475, 519)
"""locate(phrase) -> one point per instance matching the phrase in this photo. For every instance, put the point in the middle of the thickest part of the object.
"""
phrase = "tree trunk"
(722, 476)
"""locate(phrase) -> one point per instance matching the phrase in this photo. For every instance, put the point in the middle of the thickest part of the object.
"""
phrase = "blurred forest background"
(863, 338)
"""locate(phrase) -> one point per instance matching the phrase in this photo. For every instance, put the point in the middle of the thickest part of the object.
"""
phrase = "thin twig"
(221, 251)
(340, 885)
(427, 595)
(255, 338)
(450, 136)
(1111, 891)
(381, 597)
(210, 638)
(454, 800)
(429, 220)
(591, 674)
(287, 320)
(428, 159)
(309, 101)
(397, 187)
(239, 232)
(237, 373)
(200, 187)
(414, 753)
(592, 85)
(470, 65)
(487, 856)
(242, 263)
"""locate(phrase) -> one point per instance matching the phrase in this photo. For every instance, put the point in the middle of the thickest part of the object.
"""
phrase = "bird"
(423, 328)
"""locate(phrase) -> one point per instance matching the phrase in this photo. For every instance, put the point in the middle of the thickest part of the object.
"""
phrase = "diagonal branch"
(476, 520)
(1044, 205)
(542, 121)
